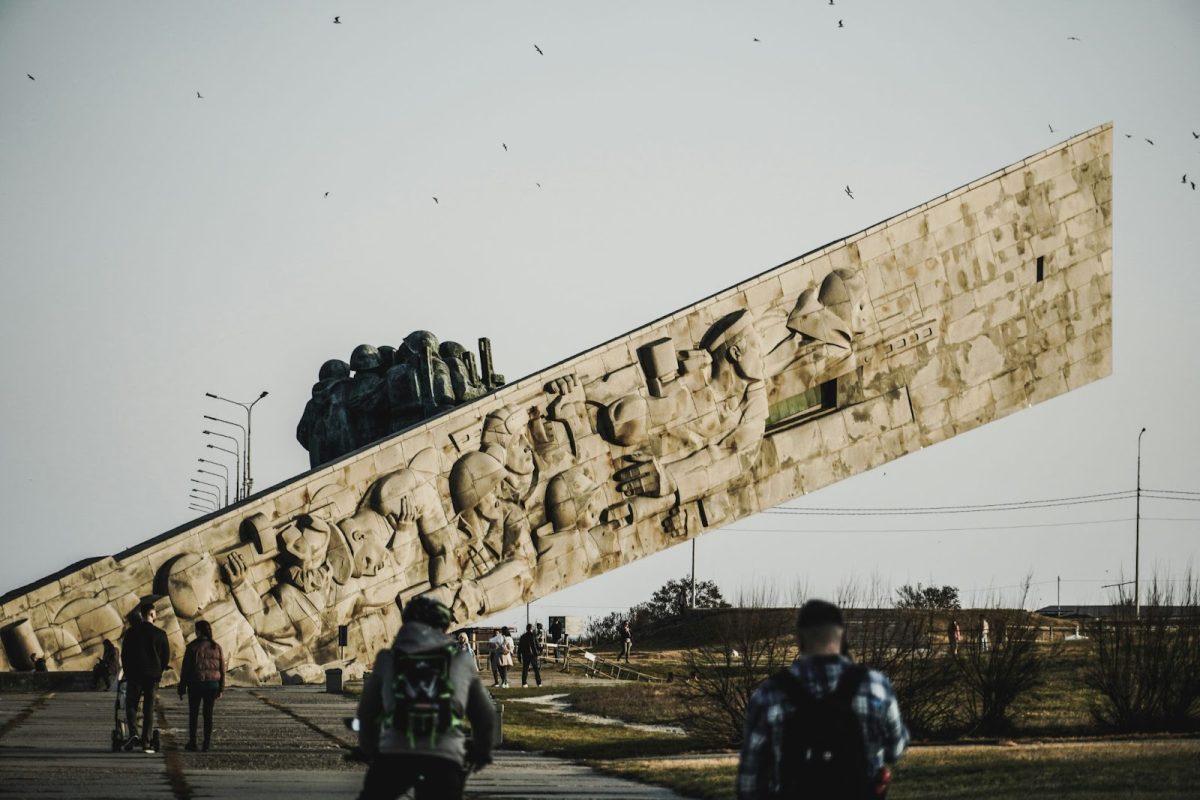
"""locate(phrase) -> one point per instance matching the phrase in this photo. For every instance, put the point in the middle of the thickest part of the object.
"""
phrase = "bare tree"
(1003, 662)
(1147, 667)
(904, 644)
(749, 644)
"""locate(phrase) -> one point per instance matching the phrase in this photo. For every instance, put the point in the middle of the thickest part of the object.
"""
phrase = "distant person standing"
(108, 667)
(983, 633)
(954, 636)
(145, 653)
(626, 641)
(464, 646)
(529, 652)
(556, 634)
(495, 646)
(507, 648)
(824, 727)
(202, 678)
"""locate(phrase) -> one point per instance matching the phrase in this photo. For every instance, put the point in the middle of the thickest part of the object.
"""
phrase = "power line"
(966, 509)
(1171, 491)
(933, 530)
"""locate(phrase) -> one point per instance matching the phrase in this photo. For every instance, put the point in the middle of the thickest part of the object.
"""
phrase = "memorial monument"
(953, 314)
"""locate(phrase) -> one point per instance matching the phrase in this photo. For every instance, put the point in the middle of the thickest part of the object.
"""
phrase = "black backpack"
(425, 707)
(824, 756)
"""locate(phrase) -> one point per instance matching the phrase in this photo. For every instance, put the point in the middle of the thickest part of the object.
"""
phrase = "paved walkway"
(279, 742)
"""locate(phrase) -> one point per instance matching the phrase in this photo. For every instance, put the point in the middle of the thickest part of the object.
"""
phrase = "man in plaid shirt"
(819, 669)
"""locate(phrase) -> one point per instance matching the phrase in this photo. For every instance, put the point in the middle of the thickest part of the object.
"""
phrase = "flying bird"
(1051, 127)
(540, 53)
(27, 75)
(1151, 141)
(435, 200)
(1194, 134)
(1074, 39)
(199, 96)
(840, 25)
(849, 193)
(327, 194)
(757, 39)
(337, 20)
(502, 144)
(1129, 136)
(1184, 178)
(1193, 185)
(538, 185)
(830, 2)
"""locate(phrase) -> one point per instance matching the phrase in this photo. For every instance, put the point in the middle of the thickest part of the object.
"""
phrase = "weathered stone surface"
(896, 338)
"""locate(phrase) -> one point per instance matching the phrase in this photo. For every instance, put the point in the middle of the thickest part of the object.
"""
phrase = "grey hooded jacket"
(377, 702)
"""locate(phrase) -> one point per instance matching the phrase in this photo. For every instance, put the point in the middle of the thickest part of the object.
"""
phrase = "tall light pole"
(249, 407)
(224, 468)
(218, 475)
(208, 497)
(213, 486)
(1137, 535)
(236, 452)
(242, 449)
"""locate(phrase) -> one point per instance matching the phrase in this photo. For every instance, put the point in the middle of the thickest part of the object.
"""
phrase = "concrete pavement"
(277, 742)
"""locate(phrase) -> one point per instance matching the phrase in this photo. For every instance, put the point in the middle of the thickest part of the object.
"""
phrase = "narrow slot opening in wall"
(1041, 268)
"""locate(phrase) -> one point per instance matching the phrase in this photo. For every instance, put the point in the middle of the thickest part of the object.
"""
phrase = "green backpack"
(425, 707)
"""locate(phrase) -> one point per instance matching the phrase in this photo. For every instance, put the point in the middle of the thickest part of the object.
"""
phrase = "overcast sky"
(156, 245)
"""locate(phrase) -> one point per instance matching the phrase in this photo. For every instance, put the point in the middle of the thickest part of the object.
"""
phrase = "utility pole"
(693, 573)
(1058, 598)
(1137, 535)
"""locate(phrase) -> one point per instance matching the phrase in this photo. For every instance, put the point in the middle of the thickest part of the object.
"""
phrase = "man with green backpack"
(414, 711)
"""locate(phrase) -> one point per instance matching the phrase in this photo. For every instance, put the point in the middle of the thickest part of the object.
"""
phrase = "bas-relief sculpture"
(384, 390)
(742, 403)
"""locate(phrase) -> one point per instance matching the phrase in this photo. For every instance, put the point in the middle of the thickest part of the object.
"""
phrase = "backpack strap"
(795, 690)
(852, 678)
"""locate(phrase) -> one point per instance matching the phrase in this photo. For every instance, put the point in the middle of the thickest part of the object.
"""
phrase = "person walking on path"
(202, 678)
(823, 727)
(529, 651)
(108, 667)
(954, 636)
(411, 709)
(626, 641)
(495, 645)
(505, 656)
(145, 653)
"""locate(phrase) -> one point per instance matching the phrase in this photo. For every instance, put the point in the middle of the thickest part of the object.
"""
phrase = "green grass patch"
(1124, 770)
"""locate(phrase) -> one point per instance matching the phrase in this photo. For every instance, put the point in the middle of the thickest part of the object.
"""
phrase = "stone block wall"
(953, 314)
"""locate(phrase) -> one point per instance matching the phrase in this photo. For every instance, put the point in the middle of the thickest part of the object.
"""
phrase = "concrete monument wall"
(953, 314)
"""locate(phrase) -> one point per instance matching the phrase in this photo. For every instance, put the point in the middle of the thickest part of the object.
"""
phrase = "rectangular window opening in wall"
(1041, 268)
(798, 409)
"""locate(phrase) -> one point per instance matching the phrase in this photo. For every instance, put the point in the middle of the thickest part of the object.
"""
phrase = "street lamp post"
(200, 494)
(249, 407)
(195, 506)
(242, 449)
(236, 452)
(222, 477)
(1137, 534)
(213, 486)
(224, 468)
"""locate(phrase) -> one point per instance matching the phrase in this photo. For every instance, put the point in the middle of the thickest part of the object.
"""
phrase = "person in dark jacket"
(108, 667)
(203, 679)
(402, 752)
(529, 651)
(145, 653)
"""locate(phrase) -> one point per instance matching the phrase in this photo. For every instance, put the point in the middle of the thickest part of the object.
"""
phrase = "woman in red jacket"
(203, 679)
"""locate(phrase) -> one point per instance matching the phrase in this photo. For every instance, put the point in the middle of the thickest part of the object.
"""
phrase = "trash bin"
(333, 681)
